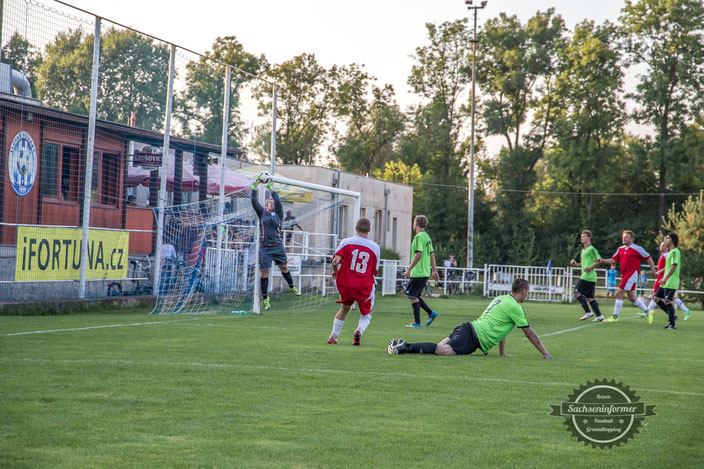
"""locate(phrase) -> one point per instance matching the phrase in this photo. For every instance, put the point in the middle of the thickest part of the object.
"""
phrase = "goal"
(208, 261)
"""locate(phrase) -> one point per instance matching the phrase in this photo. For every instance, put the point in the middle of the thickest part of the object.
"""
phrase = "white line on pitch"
(319, 370)
(110, 325)
(580, 327)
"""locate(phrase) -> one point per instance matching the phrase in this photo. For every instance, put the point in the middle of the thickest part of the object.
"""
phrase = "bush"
(390, 254)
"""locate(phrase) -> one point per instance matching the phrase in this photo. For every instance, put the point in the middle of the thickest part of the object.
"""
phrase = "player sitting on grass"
(354, 265)
(491, 328)
(272, 246)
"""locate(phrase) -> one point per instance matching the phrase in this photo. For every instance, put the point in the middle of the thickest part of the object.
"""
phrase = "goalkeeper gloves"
(256, 181)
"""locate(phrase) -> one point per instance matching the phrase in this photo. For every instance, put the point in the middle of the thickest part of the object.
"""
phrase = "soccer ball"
(264, 177)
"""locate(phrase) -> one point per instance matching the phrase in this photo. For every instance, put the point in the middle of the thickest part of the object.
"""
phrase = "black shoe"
(671, 326)
(357, 338)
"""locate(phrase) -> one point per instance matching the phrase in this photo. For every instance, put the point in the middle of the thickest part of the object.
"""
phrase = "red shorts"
(628, 282)
(365, 304)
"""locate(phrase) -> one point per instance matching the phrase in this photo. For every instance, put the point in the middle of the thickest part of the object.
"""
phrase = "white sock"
(680, 305)
(364, 322)
(640, 304)
(652, 305)
(336, 328)
(617, 307)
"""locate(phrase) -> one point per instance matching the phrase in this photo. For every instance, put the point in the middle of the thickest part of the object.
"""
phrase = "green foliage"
(303, 106)
(398, 171)
(200, 106)
(133, 76)
(688, 223)
(23, 57)
(666, 38)
(372, 126)
(387, 253)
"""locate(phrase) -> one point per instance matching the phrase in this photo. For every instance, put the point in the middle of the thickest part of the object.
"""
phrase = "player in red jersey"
(630, 256)
(355, 263)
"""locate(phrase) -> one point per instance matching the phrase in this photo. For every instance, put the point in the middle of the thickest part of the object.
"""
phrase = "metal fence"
(100, 125)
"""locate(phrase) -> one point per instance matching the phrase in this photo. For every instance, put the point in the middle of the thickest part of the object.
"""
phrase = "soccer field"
(124, 389)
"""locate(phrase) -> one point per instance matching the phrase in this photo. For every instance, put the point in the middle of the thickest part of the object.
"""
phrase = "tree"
(441, 75)
(23, 57)
(589, 115)
(516, 71)
(372, 127)
(199, 107)
(688, 223)
(302, 108)
(63, 78)
(666, 38)
(398, 171)
(133, 76)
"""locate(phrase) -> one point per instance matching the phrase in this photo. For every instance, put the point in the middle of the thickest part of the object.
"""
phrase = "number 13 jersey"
(359, 265)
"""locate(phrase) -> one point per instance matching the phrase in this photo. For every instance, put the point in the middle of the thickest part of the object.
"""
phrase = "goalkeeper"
(271, 243)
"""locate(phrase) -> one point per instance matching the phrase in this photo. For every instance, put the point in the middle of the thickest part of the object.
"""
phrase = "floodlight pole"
(470, 188)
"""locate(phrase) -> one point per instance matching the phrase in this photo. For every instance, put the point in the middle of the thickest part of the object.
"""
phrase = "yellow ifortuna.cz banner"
(55, 254)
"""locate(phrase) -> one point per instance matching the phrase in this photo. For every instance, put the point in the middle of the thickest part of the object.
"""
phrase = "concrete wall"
(393, 230)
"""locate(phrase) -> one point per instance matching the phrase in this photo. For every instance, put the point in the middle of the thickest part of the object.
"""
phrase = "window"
(49, 170)
(342, 220)
(109, 192)
(394, 234)
(94, 179)
(70, 174)
(378, 227)
(363, 213)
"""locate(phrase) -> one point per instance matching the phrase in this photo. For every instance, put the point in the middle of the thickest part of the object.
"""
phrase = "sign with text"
(143, 158)
(55, 254)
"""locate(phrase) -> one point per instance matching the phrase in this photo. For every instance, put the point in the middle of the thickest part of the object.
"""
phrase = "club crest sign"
(22, 163)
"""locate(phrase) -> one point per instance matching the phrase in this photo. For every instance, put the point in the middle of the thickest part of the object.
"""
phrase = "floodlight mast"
(470, 188)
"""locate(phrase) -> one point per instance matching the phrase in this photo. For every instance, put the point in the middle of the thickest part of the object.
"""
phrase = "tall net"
(209, 261)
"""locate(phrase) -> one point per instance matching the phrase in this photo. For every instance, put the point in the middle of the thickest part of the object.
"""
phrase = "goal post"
(210, 259)
(356, 197)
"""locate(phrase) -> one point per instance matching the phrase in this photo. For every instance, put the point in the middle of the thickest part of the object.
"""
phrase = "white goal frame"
(357, 209)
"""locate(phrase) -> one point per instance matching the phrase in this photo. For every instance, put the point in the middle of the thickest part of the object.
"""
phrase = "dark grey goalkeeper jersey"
(269, 222)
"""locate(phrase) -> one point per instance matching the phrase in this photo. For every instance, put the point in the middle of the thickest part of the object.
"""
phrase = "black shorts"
(274, 253)
(667, 294)
(463, 339)
(415, 287)
(586, 288)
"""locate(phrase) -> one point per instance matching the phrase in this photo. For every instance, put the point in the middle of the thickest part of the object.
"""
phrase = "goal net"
(209, 256)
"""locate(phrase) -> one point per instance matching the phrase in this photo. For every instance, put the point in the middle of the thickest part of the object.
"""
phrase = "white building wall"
(397, 203)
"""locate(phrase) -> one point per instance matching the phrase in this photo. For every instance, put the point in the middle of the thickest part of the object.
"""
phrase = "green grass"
(265, 391)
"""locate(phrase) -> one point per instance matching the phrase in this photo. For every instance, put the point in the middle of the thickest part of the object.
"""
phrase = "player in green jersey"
(491, 328)
(422, 267)
(584, 291)
(671, 280)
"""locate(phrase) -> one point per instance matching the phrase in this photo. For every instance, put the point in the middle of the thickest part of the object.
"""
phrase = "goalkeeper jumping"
(271, 242)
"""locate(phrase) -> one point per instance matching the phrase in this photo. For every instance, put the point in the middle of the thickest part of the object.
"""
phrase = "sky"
(381, 34)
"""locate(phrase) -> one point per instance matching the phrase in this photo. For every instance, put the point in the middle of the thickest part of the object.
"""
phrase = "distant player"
(671, 279)
(422, 267)
(629, 256)
(584, 292)
(491, 328)
(271, 245)
(354, 265)
(660, 273)
(611, 281)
